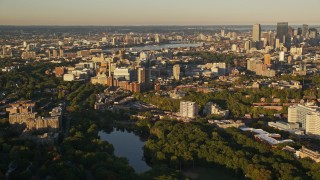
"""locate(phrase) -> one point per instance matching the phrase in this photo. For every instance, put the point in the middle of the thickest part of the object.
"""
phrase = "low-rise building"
(28, 55)
(269, 138)
(260, 68)
(308, 153)
(284, 126)
(100, 79)
(43, 123)
(212, 108)
(60, 71)
(227, 123)
(69, 77)
(22, 113)
(177, 94)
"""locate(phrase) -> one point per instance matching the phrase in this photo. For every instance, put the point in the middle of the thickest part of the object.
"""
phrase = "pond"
(127, 144)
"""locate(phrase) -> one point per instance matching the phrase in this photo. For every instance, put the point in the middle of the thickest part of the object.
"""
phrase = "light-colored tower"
(61, 54)
(277, 43)
(222, 32)
(289, 59)
(127, 39)
(256, 32)
(313, 123)
(188, 109)
(267, 59)
(114, 40)
(176, 72)
(54, 53)
(141, 75)
(298, 114)
(157, 38)
(109, 65)
(281, 56)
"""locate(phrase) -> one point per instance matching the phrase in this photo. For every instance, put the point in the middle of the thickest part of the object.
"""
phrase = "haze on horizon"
(151, 12)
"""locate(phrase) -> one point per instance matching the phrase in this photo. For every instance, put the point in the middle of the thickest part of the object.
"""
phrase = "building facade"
(188, 109)
(176, 72)
(298, 114)
(282, 31)
(313, 123)
(212, 108)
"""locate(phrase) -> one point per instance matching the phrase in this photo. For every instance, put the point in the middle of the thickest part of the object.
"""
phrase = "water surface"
(127, 144)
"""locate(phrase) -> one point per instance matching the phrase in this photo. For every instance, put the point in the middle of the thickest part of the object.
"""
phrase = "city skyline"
(143, 12)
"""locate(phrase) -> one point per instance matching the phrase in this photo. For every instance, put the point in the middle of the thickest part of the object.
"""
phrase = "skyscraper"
(281, 56)
(61, 54)
(247, 46)
(157, 38)
(256, 32)
(305, 29)
(272, 39)
(299, 31)
(282, 31)
(147, 67)
(277, 43)
(176, 72)
(222, 32)
(54, 53)
(290, 30)
(267, 59)
(141, 75)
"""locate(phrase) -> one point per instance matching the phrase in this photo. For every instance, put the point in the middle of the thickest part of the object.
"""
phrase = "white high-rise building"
(188, 109)
(222, 33)
(298, 114)
(313, 123)
(157, 38)
(176, 72)
(281, 56)
(277, 43)
(114, 41)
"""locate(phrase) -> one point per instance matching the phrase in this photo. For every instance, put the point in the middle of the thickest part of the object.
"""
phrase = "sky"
(158, 12)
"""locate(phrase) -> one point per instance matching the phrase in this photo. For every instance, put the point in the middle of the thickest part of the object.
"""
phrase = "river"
(127, 144)
(158, 47)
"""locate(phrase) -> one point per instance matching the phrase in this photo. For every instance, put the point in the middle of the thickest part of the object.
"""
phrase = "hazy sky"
(157, 12)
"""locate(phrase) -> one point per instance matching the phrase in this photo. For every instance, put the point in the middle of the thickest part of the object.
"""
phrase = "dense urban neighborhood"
(235, 102)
